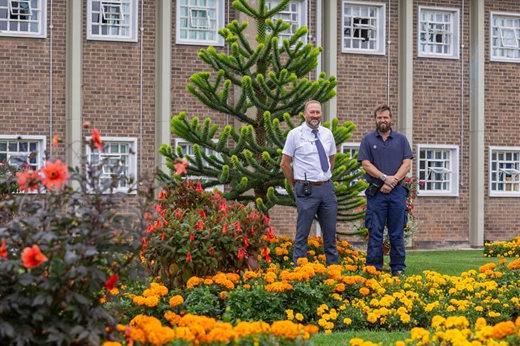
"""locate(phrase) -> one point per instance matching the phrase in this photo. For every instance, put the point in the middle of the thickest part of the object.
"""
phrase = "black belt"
(313, 183)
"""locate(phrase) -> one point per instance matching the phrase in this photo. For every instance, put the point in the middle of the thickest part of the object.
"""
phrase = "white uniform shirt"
(300, 145)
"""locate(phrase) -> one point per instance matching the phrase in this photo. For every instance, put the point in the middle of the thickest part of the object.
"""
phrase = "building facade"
(450, 70)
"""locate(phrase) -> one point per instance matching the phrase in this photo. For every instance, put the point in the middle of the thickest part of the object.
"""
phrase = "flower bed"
(456, 330)
(347, 296)
(503, 248)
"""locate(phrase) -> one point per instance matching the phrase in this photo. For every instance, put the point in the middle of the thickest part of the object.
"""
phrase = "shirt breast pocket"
(306, 148)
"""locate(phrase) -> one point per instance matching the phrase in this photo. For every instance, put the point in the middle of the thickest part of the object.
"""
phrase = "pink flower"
(55, 174)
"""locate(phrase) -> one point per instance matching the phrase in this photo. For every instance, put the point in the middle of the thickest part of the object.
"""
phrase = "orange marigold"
(514, 264)
(55, 174)
(503, 329)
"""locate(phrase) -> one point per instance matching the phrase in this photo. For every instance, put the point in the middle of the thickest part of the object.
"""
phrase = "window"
(505, 37)
(118, 161)
(22, 152)
(504, 171)
(295, 14)
(112, 20)
(438, 170)
(363, 27)
(187, 150)
(352, 149)
(438, 35)
(24, 18)
(198, 22)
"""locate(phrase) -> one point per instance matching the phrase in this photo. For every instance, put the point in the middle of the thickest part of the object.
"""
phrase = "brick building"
(449, 69)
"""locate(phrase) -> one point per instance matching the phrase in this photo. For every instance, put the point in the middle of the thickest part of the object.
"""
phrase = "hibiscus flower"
(55, 174)
(33, 257)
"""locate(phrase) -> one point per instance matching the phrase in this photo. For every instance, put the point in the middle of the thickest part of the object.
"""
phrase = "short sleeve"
(408, 154)
(332, 150)
(364, 150)
(288, 148)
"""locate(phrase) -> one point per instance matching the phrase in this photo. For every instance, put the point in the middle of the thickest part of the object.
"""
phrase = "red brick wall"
(441, 116)
(25, 86)
(111, 87)
(502, 81)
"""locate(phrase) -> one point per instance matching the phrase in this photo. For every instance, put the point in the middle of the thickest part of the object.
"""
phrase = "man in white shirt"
(307, 163)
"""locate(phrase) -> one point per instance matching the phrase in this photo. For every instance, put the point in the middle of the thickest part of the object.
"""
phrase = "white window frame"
(494, 193)
(41, 146)
(219, 41)
(302, 20)
(453, 170)
(179, 141)
(132, 159)
(492, 56)
(134, 14)
(381, 29)
(42, 23)
(455, 34)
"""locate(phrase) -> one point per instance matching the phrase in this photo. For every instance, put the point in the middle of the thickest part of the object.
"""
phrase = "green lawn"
(451, 262)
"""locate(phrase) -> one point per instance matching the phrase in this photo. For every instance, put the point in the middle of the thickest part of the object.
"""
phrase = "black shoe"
(398, 273)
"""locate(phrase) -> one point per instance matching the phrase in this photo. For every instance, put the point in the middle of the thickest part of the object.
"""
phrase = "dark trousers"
(322, 202)
(390, 210)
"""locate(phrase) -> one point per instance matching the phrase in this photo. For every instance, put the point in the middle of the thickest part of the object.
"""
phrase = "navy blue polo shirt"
(387, 155)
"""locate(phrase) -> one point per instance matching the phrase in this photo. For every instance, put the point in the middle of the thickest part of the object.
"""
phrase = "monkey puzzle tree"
(264, 86)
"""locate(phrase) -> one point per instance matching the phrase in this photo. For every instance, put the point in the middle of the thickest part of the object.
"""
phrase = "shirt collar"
(309, 129)
(390, 135)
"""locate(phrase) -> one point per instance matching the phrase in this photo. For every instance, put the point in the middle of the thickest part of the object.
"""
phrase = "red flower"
(160, 210)
(56, 174)
(266, 220)
(254, 215)
(246, 242)
(225, 228)
(56, 140)
(96, 140)
(199, 225)
(192, 237)
(33, 257)
(144, 243)
(178, 214)
(199, 188)
(237, 227)
(265, 254)
(111, 282)
(3, 249)
(269, 233)
(28, 180)
(252, 230)
(163, 195)
(202, 213)
(188, 257)
(163, 236)
(223, 207)
(181, 167)
(241, 253)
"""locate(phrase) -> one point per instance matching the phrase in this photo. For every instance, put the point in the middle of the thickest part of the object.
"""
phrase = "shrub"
(58, 254)
(199, 233)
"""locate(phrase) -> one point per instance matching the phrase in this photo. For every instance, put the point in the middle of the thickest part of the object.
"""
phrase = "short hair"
(307, 103)
(382, 108)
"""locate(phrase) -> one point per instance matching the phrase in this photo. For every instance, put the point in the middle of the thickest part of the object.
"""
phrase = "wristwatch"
(382, 177)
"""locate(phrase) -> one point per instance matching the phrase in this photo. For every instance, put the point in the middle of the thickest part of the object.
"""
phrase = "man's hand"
(392, 181)
(386, 188)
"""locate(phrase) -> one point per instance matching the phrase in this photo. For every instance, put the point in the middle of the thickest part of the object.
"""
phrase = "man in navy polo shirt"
(386, 156)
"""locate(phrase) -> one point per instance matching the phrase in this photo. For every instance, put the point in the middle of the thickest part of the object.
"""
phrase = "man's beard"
(382, 127)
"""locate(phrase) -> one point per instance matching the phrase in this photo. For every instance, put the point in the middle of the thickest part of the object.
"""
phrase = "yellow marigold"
(159, 289)
(280, 251)
(351, 267)
(248, 274)
(193, 281)
(176, 300)
(437, 321)
(302, 261)
(290, 314)
(234, 277)
(347, 321)
(420, 334)
(514, 264)
(400, 343)
(208, 282)
(371, 270)
(114, 291)
(111, 343)
(503, 329)
(364, 291)
(517, 322)
(223, 295)
(270, 277)
(405, 318)
(102, 300)
(299, 317)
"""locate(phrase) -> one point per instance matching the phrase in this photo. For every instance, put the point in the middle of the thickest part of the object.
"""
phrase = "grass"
(452, 262)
